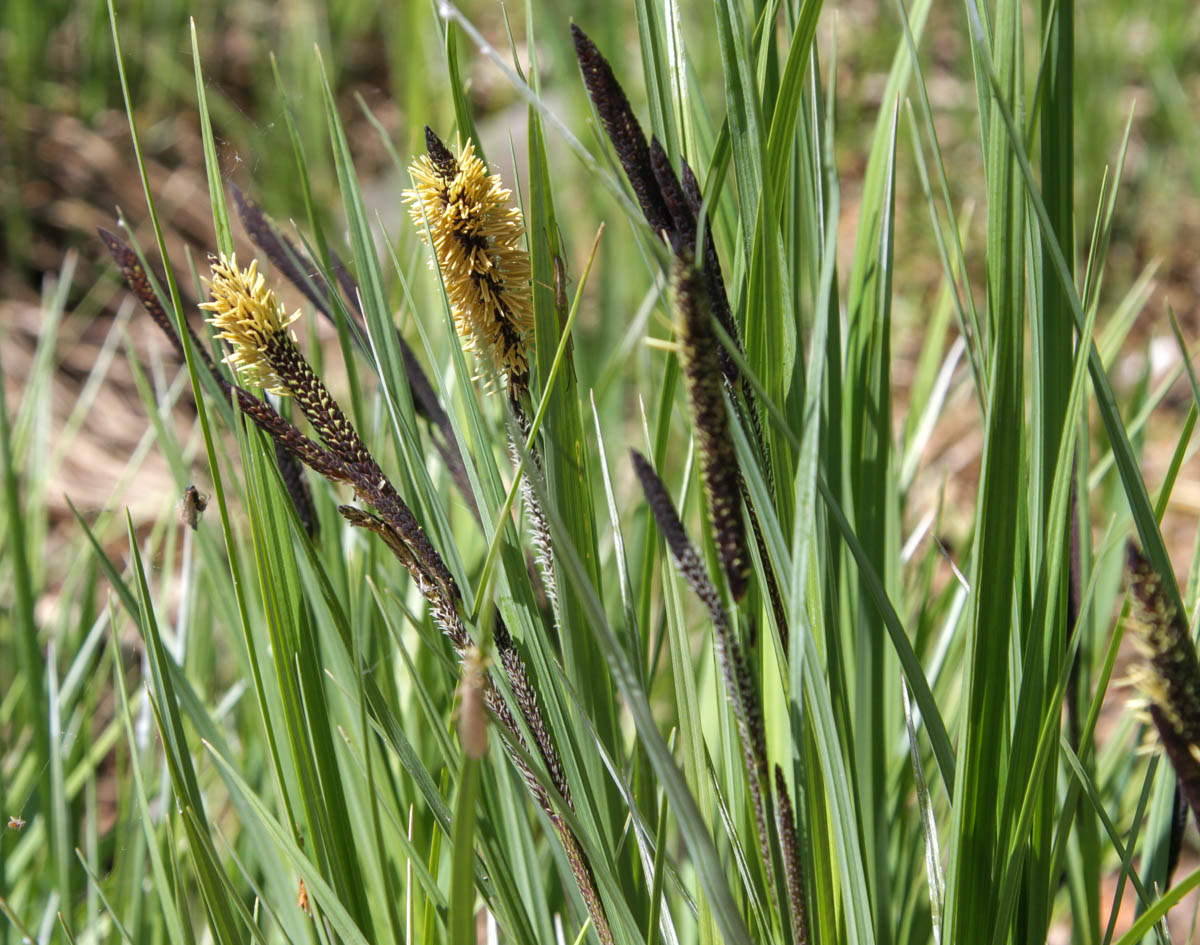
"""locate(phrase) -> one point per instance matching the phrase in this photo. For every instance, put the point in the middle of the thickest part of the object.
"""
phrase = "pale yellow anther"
(247, 315)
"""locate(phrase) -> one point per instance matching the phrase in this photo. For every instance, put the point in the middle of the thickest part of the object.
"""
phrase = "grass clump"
(783, 692)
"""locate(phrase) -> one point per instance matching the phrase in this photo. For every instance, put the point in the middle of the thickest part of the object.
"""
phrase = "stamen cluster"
(249, 317)
(465, 214)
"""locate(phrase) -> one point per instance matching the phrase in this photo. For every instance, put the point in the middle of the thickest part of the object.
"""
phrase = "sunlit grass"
(748, 690)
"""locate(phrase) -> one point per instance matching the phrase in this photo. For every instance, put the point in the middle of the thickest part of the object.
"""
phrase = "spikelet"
(722, 482)
(248, 316)
(1169, 676)
(476, 236)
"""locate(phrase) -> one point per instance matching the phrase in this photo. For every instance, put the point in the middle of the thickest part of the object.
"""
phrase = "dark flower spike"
(689, 193)
(793, 871)
(293, 480)
(671, 207)
(715, 280)
(1170, 674)
(722, 475)
(622, 128)
(440, 156)
(284, 255)
(138, 281)
(739, 683)
(682, 234)
(683, 242)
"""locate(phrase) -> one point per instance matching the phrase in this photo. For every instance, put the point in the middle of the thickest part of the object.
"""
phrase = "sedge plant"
(534, 634)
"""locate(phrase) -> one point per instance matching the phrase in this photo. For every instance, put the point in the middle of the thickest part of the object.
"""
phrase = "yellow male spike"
(248, 316)
(477, 238)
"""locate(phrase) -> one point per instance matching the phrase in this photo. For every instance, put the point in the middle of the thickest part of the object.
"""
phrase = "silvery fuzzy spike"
(622, 127)
(1169, 674)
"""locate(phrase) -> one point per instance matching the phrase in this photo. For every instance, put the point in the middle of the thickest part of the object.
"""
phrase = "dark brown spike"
(622, 129)
(691, 188)
(284, 255)
(135, 276)
(683, 221)
(443, 160)
(361, 518)
(714, 280)
(710, 419)
(338, 433)
(671, 528)
(793, 870)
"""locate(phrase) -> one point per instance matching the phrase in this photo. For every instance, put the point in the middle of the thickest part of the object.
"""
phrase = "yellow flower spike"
(477, 238)
(248, 316)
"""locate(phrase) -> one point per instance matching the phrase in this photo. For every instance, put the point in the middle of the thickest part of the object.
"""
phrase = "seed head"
(476, 236)
(248, 316)
(1169, 674)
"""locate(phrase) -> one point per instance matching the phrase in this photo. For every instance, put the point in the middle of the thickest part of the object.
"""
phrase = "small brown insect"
(302, 898)
(562, 305)
(192, 506)
(472, 715)
(15, 823)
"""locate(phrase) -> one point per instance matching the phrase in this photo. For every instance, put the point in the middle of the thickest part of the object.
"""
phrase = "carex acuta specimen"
(466, 214)
(256, 327)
